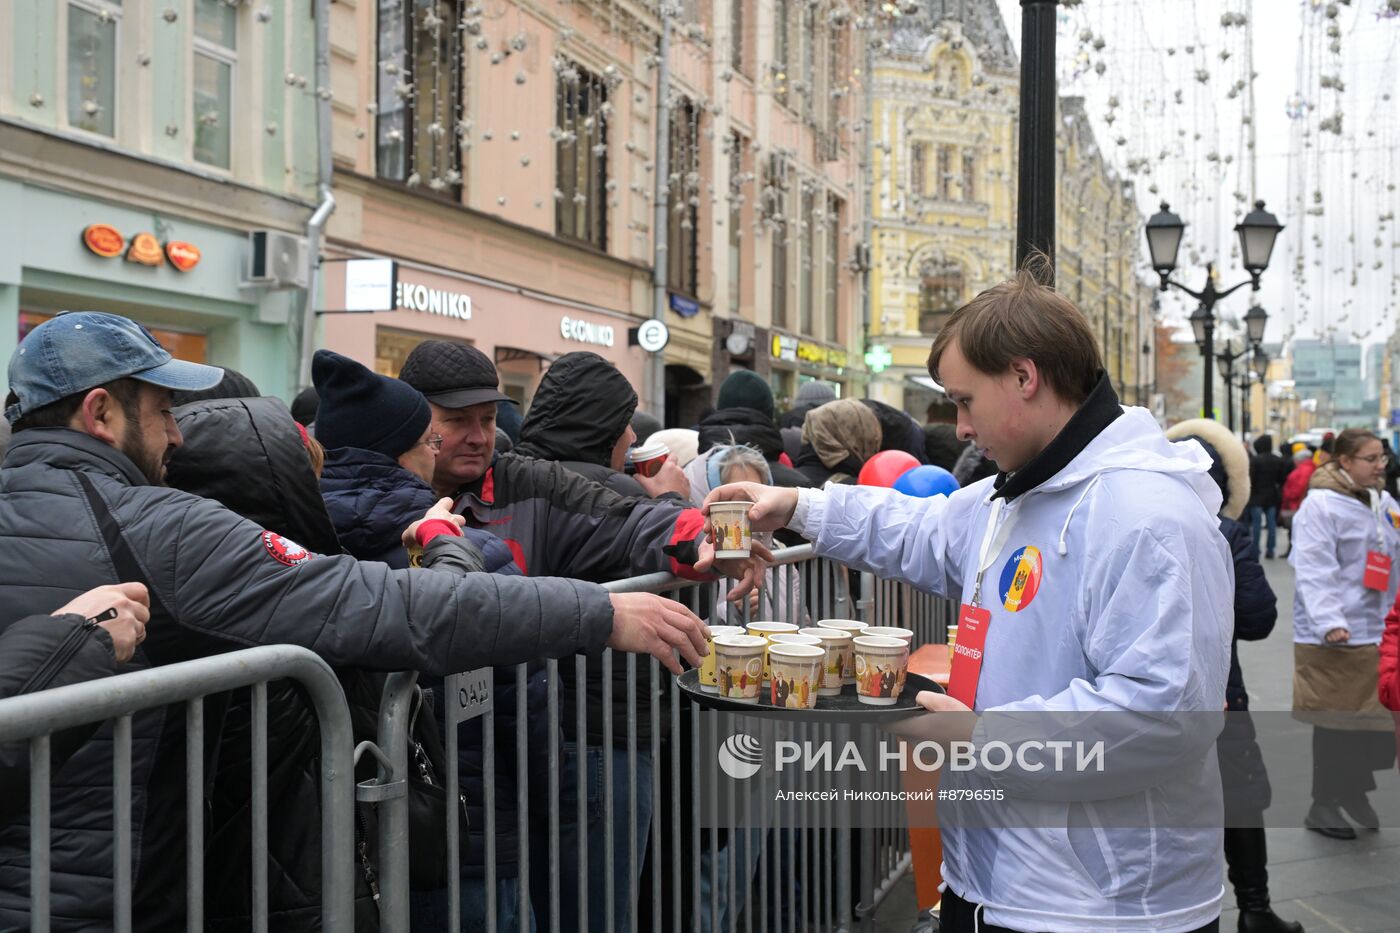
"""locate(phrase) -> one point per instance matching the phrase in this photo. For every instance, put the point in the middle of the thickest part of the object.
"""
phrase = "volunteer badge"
(1020, 578)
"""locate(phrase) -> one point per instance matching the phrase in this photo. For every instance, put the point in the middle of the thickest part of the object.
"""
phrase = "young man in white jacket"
(1094, 570)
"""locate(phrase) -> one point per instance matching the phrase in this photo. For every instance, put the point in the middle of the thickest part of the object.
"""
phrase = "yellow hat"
(1299, 445)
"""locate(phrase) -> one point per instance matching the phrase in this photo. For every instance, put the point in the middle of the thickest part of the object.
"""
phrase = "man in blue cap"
(82, 504)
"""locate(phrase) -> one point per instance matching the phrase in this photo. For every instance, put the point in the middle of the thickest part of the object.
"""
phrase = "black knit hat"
(745, 388)
(363, 409)
(453, 375)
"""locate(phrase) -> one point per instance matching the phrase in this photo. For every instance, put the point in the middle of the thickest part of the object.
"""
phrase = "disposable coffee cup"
(708, 681)
(839, 655)
(767, 630)
(739, 666)
(854, 628)
(731, 525)
(881, 666)
(952, 641)
(647, 459)
(797, 672)
(890, 631)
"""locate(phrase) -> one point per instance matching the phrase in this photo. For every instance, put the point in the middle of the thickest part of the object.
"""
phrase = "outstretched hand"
(644, 623)
(772, 508)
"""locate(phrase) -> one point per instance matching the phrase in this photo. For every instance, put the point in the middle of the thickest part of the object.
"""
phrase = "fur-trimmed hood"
(1231, 470)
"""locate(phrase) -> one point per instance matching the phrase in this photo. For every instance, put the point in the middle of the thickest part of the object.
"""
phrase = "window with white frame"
(92, 65)
(215, 56)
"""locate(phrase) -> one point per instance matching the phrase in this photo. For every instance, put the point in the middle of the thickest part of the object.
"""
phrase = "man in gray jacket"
(81, 504)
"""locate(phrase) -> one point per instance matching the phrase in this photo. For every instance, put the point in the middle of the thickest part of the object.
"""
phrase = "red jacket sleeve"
(1390, 660)
(1296, 486)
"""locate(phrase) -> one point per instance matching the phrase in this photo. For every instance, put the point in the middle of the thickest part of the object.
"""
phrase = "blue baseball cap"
(81, 350)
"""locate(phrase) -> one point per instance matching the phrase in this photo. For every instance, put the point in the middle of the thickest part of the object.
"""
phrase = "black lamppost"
(1227, 358)
(1035, 201)
(1258, 369)
(1257, 233)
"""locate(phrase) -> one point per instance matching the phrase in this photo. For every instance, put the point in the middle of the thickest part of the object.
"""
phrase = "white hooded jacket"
(1123, 588)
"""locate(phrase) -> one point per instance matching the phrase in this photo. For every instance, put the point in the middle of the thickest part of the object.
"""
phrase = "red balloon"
(886, 467)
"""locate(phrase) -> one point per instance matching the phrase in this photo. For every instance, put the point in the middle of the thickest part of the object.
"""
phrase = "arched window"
(940, 293)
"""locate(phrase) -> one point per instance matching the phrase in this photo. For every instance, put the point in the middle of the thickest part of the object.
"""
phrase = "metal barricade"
(619, 845)
(37, 716)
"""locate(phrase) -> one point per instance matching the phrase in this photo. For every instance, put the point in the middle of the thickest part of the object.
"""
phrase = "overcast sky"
(1162, 60)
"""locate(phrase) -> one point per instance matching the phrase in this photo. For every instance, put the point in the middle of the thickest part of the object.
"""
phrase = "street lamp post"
(1227, 358)
(1257, 232)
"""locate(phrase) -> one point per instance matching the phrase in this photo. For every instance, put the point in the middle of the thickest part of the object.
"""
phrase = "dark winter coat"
(755, 429)
(898, 431)
(371, 500)
(38, 653)
(225, 583)
(1267, 474)
(794, 417)
(817, 473)
(941, 445)
(1256, 608)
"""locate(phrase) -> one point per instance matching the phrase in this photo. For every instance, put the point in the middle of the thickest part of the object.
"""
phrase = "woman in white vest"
(1094, 574)
(1346, 539)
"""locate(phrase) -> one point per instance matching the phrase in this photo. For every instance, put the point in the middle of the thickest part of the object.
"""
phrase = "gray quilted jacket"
(219, 582)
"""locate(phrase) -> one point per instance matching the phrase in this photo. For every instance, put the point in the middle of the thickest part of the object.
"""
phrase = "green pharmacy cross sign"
(877, 358)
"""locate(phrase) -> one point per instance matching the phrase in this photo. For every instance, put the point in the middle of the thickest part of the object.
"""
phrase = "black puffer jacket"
(1256, 607)
(753, 428)
(222, 583)
(583, 405)
(898, 431)
(38, 653)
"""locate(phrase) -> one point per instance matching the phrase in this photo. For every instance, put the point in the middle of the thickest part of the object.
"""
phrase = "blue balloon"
(925, 481)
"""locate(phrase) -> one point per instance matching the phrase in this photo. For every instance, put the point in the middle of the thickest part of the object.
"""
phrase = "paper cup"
(952, 641)
(839, 656)
(731, 524)
(766, 630)
(853, 628)
(738, 666)
(708, 681)
(647, 459)
(881, 666)
(797, 672)
(889, 631)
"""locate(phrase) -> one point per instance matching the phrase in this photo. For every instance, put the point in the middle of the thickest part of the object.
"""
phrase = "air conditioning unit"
(276, 259)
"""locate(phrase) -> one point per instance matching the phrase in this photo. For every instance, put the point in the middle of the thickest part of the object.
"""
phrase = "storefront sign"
(104, 240)
(685, 307)
(183, 256)
(785, 348)
(433, 301)
(145, 249)
(819, 355)
(107, 241)
(571, 328)
(652, 336)
(370, 285)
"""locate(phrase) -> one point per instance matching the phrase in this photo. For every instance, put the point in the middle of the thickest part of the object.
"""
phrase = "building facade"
(141, 143)
(506, 163)
(943, 201)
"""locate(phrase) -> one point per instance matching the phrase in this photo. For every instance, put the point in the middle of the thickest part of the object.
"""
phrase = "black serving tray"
(845, 707)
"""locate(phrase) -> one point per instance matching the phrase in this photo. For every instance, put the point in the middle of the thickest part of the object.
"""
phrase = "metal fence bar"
(606, 793)
(259, 870)
(194, 815)
(581, 783)
(40, 767)
(453, 783)
(48, 711)
(389, 791)
(657, 773)
(522, 797)
(552, 674)
(121, 815)
(488, 773)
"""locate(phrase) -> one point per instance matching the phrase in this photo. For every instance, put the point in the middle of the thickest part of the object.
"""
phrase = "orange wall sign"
(106, 241)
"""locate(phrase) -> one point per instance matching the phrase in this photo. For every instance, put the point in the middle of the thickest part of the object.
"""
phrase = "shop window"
(940, 293)
(92, 65)
(684, 198)
(581, 161)
(831, 278)
(215, 55)
(392, 347)
(419, 94)
(183, 345)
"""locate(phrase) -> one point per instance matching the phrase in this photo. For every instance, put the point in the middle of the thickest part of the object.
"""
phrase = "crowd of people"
(154, 511)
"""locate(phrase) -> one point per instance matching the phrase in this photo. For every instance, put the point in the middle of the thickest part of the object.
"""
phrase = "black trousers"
(1345, 762)
(956, 916)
